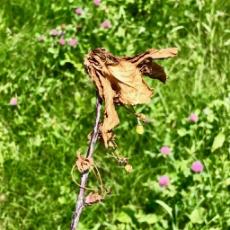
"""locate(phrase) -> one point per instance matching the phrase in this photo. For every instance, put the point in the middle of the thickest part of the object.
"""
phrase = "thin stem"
(84, 177)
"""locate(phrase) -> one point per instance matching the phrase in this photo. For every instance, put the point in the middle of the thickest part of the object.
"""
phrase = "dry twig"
(80, 204)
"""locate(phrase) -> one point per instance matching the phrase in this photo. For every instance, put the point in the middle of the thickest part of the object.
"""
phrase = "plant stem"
(84, 177)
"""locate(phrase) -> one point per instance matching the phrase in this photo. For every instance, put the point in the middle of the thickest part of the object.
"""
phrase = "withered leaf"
(83, 164)
(119, 80)
(93, 198)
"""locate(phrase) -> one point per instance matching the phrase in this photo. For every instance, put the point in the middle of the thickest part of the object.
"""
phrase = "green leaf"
(147, 218)
(124, 218)
(165, 207)
(51, 50)
(182, 132)
(218, 142)
(1, 159)
(197, 216)
(121, 32)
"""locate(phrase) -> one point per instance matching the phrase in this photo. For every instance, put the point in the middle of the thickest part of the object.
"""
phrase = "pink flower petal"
(106, 24)
(13, 101)
(55, 32)
(165, 150)
(193, 117)
(62, 41)
(97, 2)
(164, 181)
(79, 11)
(197, 167)
(73, 42)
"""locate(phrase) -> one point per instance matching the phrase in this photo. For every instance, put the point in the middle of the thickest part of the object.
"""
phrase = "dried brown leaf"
(93, 198)
(119, 80)
(83, 164)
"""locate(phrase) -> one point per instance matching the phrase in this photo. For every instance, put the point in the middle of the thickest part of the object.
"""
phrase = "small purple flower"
(73, 42)
(54, 32)
(13, 101)
(79, 11)
(164, 181)
(197, 167)
(165, 150)
(41, 38)
(62, 41)
(193, 117)
(106, 24)
(97, 2)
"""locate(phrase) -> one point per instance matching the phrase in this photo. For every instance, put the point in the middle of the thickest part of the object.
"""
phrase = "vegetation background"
(55, 109)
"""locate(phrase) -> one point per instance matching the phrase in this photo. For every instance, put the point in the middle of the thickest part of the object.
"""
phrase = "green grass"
(40, 136)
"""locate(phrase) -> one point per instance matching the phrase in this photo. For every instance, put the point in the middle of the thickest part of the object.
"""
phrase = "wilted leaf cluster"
(119, 80)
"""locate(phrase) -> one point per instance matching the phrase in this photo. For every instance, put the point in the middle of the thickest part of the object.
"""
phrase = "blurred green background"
(41, 132)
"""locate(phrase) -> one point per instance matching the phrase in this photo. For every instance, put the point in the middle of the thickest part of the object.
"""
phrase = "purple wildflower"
(54, 32)
(79, 11)
(97, 2)
(73, 42)
(193, 117)
(197, 167)
(13, 101)
(62, 41)
(164, 181)
(165, 150)
(106, 24)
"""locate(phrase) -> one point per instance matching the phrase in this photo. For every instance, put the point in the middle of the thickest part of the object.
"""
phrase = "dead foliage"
(119, 80)
(83, 163)
(93, 198)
